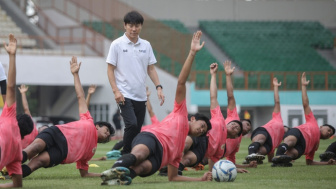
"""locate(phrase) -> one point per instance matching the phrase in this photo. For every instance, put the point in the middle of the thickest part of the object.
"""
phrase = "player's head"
(286, 128)
(40, 129)
(105, 131)
(326, 131)
(200, 125)
(133, 17)
(234, 129)
(247, 126)
(25, 123)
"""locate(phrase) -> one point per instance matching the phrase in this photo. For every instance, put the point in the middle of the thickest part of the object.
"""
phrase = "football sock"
(132, 173)
(118, 145)
(282, 149)
(181, 167)
(254, 147)
(24, 156)
(26, 171)
(126, 160)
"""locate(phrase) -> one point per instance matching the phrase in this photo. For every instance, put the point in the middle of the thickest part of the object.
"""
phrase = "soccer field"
(298, 176)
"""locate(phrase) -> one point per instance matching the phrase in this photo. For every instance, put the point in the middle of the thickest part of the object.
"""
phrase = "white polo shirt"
(2, 73)
(131, 61)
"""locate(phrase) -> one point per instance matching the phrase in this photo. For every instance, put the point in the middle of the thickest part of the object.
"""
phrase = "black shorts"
(268, 143)
(199, 148)
(57, 146)
(117, 125)
(155, 148)
(300, 145)
(3, 87)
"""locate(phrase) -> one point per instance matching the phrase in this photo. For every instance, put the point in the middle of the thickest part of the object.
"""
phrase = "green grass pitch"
(298, 176)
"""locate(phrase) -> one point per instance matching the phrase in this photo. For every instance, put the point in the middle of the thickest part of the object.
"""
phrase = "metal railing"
(262, 80)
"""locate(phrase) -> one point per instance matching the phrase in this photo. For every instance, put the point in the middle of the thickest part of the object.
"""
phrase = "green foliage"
(298, 176)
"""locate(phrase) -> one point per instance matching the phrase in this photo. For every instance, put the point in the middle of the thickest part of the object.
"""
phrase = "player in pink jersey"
(68, 143)
(305, 138)
(29, 138)
(232, 144)
(198, 146)
(193, 152)
(265, 139)
(221, 129)
(13, 127)
(162, 144)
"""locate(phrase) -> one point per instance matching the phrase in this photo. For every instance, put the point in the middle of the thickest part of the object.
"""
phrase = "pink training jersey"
(231, 148)
(311, 133)
(28, 139)
(216, 136)
(10, 141)
(82, 140)
(154, 120)
(171, 133)
(276, 130)
(232, 145)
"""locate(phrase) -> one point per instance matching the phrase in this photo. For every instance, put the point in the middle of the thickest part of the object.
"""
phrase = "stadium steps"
(274, 46)
(7, 26)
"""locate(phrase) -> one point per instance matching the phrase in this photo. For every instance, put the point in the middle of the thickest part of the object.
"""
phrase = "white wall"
(190, 11)
(55, 71)
(331, 112)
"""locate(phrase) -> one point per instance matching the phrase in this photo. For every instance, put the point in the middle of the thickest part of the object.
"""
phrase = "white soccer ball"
(224, 171)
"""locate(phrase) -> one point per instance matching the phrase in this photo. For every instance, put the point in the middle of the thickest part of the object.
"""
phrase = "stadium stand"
(272, 45)
(8, 26)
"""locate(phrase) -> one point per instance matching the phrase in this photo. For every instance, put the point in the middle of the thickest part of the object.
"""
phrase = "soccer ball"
(224, 171)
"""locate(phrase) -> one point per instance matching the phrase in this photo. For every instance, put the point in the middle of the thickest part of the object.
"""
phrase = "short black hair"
(331, 127)
(133, 17)
(108, 125)
(248, 120)
(25, 124)
(199, 116)
(240, 125)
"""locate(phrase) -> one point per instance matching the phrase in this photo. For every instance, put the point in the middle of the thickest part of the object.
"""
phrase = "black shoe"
(326, 156)
(163, 171)
(254, 157)
(259, 162)
(281, 159)
(282, 165)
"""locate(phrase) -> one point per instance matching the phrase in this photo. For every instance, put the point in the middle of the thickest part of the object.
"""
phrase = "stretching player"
(212, 146)
(232, 144)
(265, 139)
(13, 127)
(162, 144)
(193, 153)
(305, 138)
(29, 138)
(68, 143)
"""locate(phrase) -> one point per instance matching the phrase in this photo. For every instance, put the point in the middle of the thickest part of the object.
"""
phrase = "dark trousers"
(133, 113)
(332, 147)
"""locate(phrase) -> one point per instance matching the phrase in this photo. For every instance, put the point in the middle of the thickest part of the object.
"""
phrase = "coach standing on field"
(130, 59)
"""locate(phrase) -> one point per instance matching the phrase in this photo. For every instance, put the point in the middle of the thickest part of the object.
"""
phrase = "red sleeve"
(14, 168)
(83, 164)
(232, 156)
(310, 156)
(86, 116)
